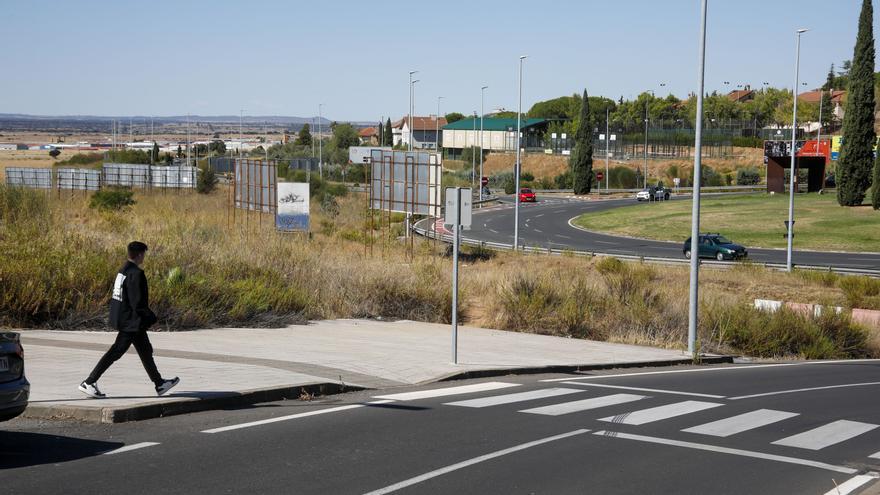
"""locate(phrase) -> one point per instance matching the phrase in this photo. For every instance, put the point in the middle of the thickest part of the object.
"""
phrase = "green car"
(716, 246)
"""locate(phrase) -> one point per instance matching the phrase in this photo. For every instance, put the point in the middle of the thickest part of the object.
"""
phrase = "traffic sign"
(600, 176)
(484, 181)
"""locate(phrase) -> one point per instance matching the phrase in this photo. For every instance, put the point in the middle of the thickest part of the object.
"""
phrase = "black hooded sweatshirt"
(129, 303)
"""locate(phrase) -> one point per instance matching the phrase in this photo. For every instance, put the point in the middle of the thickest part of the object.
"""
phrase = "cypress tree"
(856, 153)
(582, 161)
(388, 136)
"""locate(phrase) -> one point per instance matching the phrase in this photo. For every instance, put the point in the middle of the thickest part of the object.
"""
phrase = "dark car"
(14, 387)
(716, 246)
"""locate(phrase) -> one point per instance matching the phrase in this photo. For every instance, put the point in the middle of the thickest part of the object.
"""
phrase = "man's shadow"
(21, 449)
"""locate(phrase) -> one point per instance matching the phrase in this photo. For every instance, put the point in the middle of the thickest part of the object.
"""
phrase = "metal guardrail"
(431, 234)
(758, 187)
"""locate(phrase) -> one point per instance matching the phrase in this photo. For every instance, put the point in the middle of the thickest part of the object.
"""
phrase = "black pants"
(124, 340)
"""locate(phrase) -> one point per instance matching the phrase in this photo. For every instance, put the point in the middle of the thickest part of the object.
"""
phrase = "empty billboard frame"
(405, 182)
(255, 185)
(36, 178)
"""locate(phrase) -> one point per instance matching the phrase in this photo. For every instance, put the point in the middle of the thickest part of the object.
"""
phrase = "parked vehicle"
(716, 246)
(653, 193)
(14, 387)
(526, 195)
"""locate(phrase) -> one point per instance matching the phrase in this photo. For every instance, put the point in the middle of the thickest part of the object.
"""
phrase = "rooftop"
(491, 124)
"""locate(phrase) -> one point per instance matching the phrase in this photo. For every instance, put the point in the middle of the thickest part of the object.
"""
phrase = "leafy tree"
(304, 138)
(54, 152)
(875, 190)
(217, 147)
(454, 117)
(856, 153)
(748, 177)
(344, 136)
(582, 160)
(388, 135)
(829, 80)
(154, 155)
(179, 151)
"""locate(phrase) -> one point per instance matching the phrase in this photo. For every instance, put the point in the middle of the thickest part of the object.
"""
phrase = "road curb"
(220, 400)
(576, 368)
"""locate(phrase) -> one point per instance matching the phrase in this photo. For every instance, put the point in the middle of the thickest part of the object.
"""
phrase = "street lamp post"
(793, 182)
(482, 114)
(409, 147)
(320, 143)
(474, 157)
(646, 136)
(437, 131)
(693, 300)
(607, 175)
(518, 157)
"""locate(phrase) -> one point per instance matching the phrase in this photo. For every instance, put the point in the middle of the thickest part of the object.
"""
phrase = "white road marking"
(639, 389)
(823, 436)
(471, 462)
(539, 231)
(743, 422)
(129, 448)
(706, 370)
(518, 397)
(726, 450)
(875, 455)
(493, 231)
(851, 484)
(563, 236)
(539, 216)
(292, 416)
(792, 391)
(660, 412)
(583, 405)
(442, 392)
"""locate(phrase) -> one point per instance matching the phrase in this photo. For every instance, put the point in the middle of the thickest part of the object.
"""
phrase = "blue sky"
(285, 57)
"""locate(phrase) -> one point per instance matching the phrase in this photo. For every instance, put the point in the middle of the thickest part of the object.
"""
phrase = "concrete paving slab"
(245, 363)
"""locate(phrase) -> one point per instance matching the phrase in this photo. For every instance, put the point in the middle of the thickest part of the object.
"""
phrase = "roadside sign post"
(458, 215)
(599, 177)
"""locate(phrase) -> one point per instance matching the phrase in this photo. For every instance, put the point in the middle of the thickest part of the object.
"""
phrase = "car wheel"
(719, 257)
(687, 254)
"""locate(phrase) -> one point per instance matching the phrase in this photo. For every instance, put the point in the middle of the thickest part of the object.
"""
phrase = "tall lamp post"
(518, 156)
(646, 135)
(437, 132)
(693, 300)
(793, 182)
(482, 113)
(320, 143)
(409, 147)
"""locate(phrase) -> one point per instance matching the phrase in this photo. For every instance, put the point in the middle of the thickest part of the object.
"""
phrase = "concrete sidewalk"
(228, 367)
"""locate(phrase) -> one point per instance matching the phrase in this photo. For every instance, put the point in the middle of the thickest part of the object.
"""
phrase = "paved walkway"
(222, 367)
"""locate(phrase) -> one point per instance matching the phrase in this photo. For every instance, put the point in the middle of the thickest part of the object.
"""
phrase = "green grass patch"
(752, 220)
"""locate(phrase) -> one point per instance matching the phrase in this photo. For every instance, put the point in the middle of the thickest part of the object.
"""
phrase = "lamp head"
(802, 30)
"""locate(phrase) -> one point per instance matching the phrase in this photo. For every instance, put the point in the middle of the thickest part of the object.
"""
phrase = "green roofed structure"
(499, 134)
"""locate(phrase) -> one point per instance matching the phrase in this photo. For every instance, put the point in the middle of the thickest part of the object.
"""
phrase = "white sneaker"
(91, 389)
(167, 385)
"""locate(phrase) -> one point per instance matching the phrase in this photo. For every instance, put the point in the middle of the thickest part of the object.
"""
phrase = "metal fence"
(80, 179)
(36, 178)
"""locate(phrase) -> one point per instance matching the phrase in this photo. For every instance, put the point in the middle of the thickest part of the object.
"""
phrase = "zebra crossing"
(641, 410)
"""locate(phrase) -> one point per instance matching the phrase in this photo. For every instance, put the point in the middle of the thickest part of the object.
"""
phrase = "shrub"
(748, 177)
(113, 199)
(207, 180)
(861, 292)
(622, 178)
(81, 159)
(563, 180)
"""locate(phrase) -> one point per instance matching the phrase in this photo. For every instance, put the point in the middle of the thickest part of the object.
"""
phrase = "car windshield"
(722, 240)
(526, 191)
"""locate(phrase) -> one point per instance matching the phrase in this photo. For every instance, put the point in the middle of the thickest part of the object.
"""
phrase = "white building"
(425, 135)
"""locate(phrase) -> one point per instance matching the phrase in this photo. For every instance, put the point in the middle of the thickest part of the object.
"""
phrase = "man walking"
(130, 314)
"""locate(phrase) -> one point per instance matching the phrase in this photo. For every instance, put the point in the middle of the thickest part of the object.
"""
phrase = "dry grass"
(206, 270)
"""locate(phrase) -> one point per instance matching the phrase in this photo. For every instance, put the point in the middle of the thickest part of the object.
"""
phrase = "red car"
(527, 196)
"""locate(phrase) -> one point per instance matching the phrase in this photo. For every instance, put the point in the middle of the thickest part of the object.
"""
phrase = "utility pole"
(482, 116)
(473, 156)
(518, 157)
(437, 135)
(409, 147)
(607, 137)
(320, 143)
(793, 182)
(693, 299)
(819, 130)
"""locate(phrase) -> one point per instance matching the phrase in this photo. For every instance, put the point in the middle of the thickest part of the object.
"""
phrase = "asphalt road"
(546, 224)
(791, 428)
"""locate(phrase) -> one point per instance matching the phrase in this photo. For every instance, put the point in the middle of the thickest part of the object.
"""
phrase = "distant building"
(8, 146)
(369, 136)
(424, 135)
(499, 134)
(838, 100)
(741, 95)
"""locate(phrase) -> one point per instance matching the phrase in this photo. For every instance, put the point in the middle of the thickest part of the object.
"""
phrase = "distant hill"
(214, 119)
